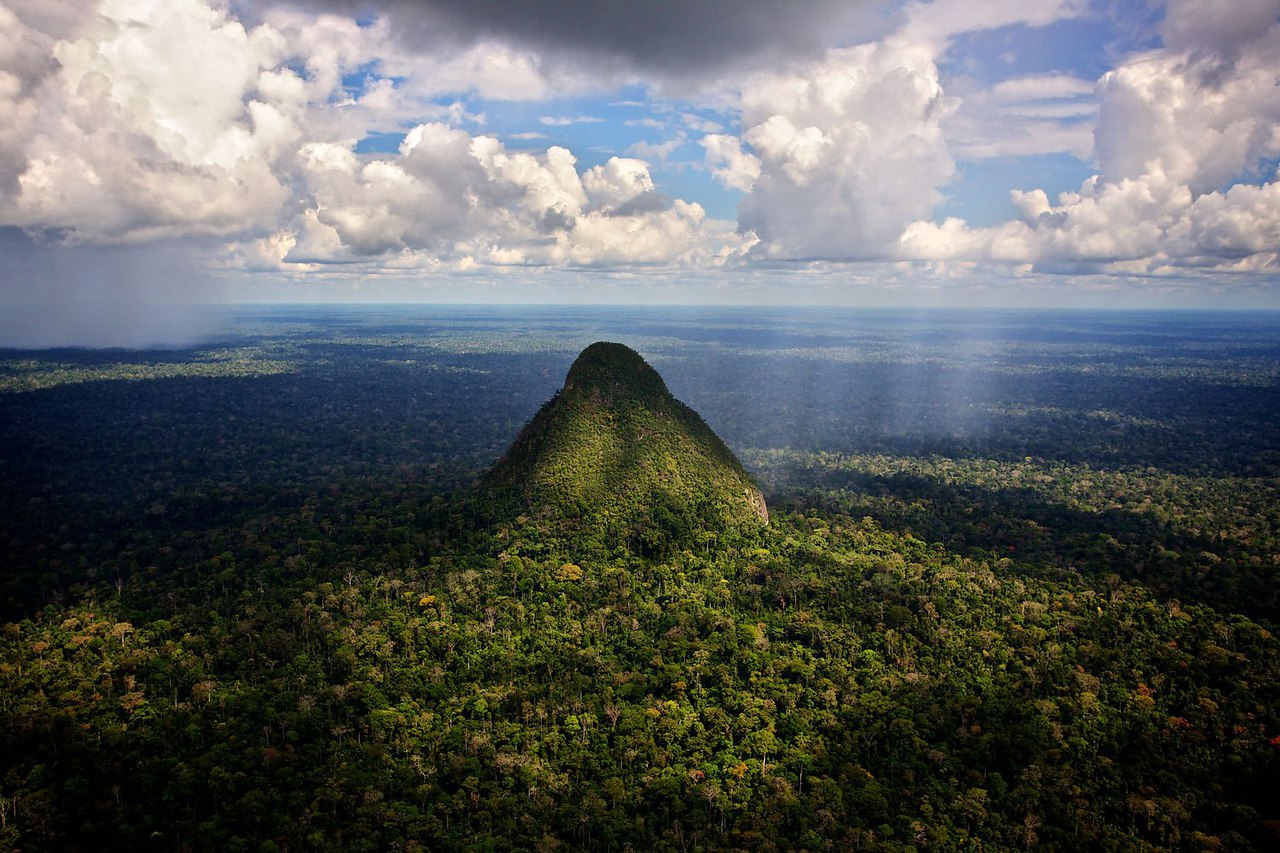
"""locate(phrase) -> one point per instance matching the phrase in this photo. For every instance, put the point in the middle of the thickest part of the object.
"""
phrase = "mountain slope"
(616, 452)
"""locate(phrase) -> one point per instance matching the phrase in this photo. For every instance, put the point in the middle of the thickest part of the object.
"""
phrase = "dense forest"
(1017, 589)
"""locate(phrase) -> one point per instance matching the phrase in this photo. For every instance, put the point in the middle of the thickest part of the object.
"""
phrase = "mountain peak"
(610, 368)
(615, 455)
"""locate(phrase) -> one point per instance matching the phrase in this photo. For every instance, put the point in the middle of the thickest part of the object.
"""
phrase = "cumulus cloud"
(845, 158)
(151, 120)
(1135, 225)
(838, 156)
(1201, 123)
(488, 69)
(844, 153)
(161, 119)
(147, 127)
(1177, 127)
(452, 195)
(26, 61)
(1216, 29)
(729, 164)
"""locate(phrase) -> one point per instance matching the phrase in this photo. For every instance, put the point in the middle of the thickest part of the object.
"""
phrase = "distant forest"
(1018, 590)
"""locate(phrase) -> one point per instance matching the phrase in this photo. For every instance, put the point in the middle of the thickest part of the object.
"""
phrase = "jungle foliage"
(1017, 590)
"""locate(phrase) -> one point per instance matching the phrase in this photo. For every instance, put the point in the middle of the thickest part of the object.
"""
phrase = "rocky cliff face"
(615, 450)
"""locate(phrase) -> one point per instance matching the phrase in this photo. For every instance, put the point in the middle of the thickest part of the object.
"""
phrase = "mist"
(99, 297)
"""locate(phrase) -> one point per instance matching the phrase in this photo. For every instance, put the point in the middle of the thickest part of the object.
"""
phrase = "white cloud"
(451, 195)
(157, 119)
(55, 19)
(1175, 127)
(25, 62)
(489, 70)
(658, 151)
(934, 23)
(844, 153)
(151, 125)
(1237, 224)
(1201, 126)
(839, 156)
(1144, 225)
(701, 125)
(1053, 110)
(565, 121)
(1026, 138)
(1041, 87)
(1038, 114)
(733, 167)
(617, 182)
(168, 118)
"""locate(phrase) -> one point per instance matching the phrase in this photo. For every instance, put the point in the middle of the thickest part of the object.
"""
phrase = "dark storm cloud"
(662, 37)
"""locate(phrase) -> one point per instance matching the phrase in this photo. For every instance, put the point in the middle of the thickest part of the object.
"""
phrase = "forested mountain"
(613, 459)
(1017, 588)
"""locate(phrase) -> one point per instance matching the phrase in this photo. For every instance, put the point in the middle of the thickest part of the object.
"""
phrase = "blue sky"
(929, 152)
(613, 122)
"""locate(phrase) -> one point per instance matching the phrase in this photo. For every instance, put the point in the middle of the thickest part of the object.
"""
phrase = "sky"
(1098, 153)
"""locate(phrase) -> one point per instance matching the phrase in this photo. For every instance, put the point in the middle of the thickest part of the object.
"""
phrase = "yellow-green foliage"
(616, 452)
(569, 572)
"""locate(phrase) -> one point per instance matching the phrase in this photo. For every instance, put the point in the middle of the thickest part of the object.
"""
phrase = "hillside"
(614, 452)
